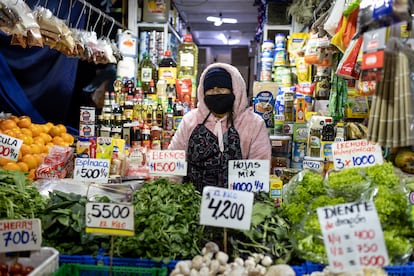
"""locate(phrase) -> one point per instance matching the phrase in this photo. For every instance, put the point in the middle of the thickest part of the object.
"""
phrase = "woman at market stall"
(221, 128)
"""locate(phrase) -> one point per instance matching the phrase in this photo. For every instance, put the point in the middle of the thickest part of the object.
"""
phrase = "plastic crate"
(400, 270)
(45, 261)
(299, 269)
(78, 259)
(313, 267)
(106, 260)
(104, 270)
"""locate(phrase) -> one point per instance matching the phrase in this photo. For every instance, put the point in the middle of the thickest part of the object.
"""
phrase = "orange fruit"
(55, 131)
(36, 149)
(28, 140)
(25, 149)
(46, 127)
(12, 166)
(23, 166)
(8, 124)
(62, 128)
(58, 140)
(39, 140)
(39, 158)
(30, 160)
(68, 138)
(36, 129)
(31, 174)
(26, 131)
(14, 118)
(4, 161)
(24, 121)
(46, 137)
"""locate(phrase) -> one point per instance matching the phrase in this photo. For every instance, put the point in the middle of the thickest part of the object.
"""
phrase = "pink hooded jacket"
(255, 141)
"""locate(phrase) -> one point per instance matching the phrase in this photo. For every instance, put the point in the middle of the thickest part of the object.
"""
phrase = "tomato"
(16, 268)
(26, 270)
(4, 267)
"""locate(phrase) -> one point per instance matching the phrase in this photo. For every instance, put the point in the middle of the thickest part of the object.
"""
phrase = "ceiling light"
(220, 20)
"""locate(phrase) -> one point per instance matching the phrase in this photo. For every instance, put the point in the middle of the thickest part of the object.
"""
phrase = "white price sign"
(110, 218)
(167, 162)
(352, 236)
(20, 235)
(226, 208)
(249, 175)
(356, 153)
(9, 147)
(91, 170)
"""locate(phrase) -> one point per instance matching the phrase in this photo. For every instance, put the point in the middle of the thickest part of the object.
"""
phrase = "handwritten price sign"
(352, 236)
(20, 235)
(167, 162)
(356, 153)
(91, 170)
(226, 208)
(9, 147)
(249, 175)
(109, 218)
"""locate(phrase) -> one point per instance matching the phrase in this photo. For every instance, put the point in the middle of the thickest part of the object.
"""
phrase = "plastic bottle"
(146, 72)
(167, 68)
(187, 58)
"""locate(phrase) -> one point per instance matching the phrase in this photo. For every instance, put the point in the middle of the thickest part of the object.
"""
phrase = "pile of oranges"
(37, 140)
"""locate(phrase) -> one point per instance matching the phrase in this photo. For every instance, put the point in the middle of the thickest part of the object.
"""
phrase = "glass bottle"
(169, 121)
(187, 58)
(167, 68)
(146, 72)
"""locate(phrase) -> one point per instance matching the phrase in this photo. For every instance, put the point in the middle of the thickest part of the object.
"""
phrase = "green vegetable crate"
(72, 269)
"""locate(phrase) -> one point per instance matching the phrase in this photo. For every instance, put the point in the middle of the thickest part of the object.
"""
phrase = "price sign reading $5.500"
(91, 170)
(226, 208)
(20, 235)
(109, 218)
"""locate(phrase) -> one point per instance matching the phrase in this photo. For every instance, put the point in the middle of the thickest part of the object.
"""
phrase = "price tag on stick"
(109, 218)
(249, 175)
(91, 170)
(356, 153)
(20, 235)
(352, 236)
(226, 208)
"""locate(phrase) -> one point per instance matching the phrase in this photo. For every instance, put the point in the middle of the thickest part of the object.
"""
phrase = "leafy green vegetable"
(167, 225)
(349, 183)
(268, 235)
(63, 225)
(18, 198)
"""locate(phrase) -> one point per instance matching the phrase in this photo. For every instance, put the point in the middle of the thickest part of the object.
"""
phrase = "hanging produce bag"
(348, 66)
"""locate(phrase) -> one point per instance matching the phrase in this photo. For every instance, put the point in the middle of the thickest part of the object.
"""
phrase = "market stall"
(337, 101)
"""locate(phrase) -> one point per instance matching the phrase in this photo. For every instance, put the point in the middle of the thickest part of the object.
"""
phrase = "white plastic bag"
(332, 21)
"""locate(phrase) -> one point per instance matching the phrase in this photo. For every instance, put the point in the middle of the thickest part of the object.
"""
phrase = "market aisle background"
(48, 86)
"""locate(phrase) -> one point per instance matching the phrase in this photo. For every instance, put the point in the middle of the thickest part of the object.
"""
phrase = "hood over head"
(225, 76)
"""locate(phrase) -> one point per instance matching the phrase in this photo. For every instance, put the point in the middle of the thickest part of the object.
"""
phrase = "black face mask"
(219, 103)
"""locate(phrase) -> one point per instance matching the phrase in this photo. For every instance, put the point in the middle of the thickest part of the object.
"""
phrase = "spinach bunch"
(64, 222)
(167, 225)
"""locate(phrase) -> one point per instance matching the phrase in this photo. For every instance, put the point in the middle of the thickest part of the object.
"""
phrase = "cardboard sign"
(20, 235)
(9, 147)
(167, 162)
(109, 218)
(226, 208)
(91, 170)
(356, 153)
(352, 236)
(249, 175)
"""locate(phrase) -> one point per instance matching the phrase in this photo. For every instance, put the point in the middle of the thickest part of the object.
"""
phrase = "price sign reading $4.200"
(226, 208)
(20, 235)
(110, 218)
